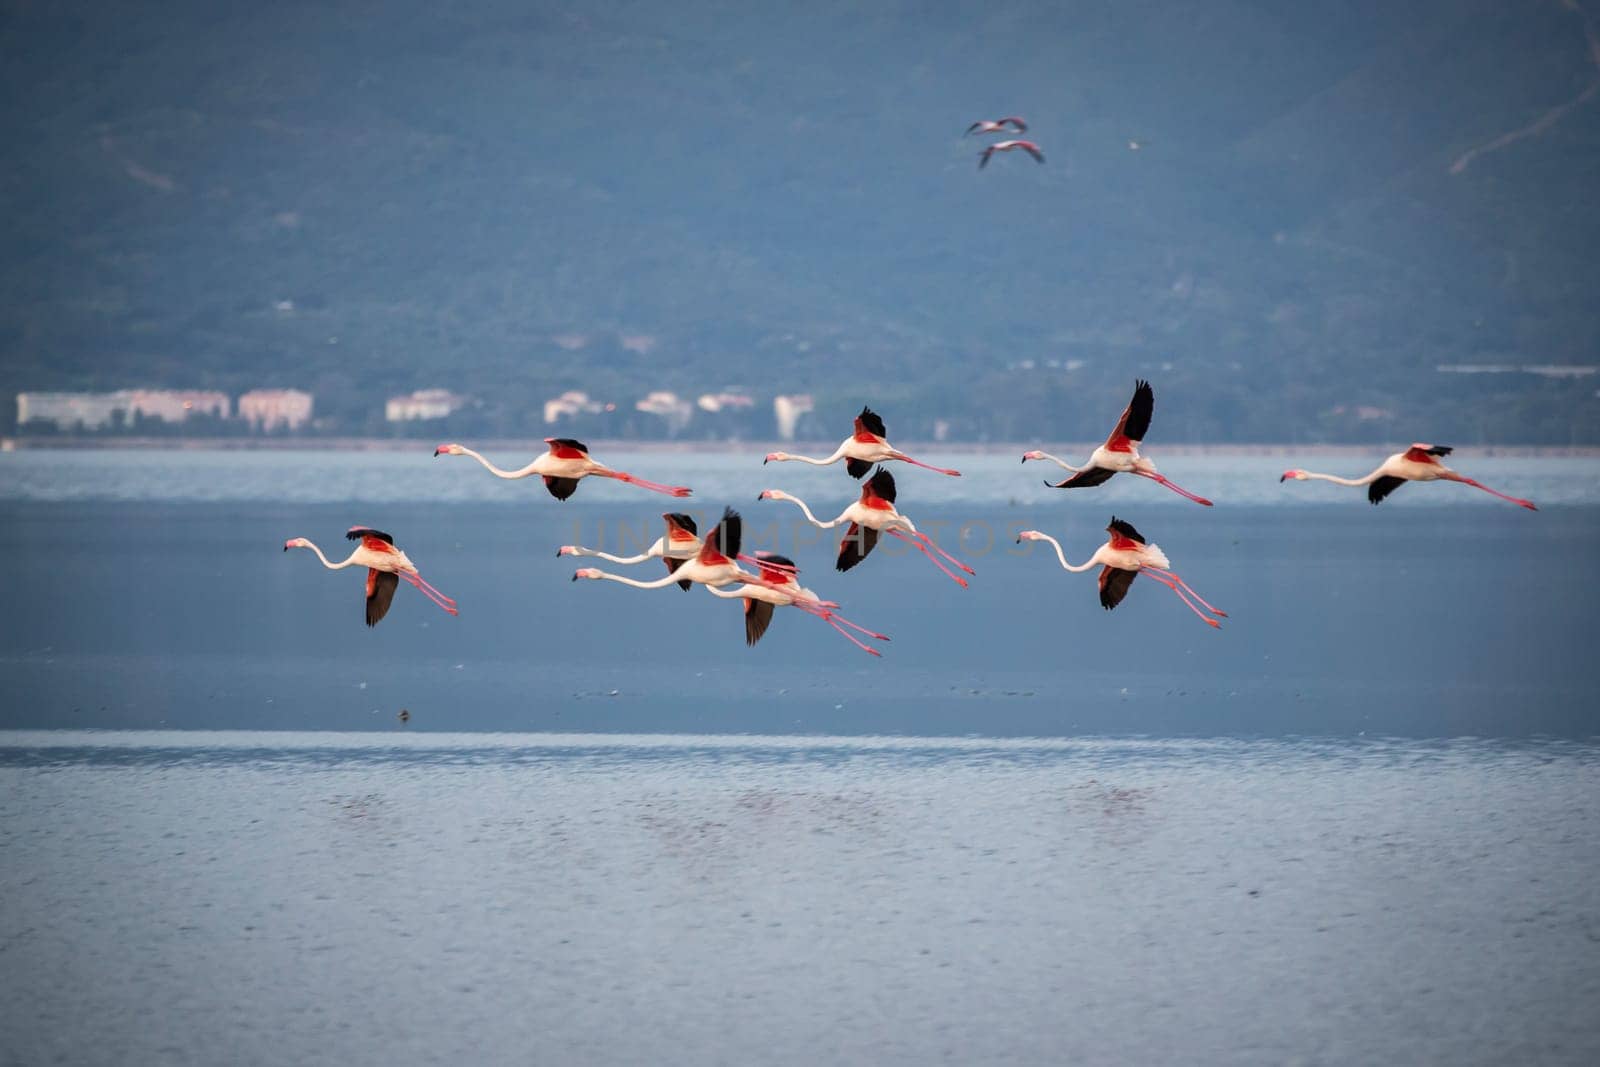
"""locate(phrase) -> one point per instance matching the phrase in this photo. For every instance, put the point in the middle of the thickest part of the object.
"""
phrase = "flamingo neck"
(327, 563)
(838, 454)
(496, 471)
(1059, 462)
(660, 583)
(1062, 556)
(1334, 478)
(801, 504)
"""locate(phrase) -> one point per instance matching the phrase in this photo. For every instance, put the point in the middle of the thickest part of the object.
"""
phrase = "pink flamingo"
(1419, 463)
(1120, 453)
(874, 513)
(996, 126)
(1124, 557)
(681, 542)
(715, 564)
(782, 590)
(1007, 146)
(385, 564)
(861, 450)
(562, 466)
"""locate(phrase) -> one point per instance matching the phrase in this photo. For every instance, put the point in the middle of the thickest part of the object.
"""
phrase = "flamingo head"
(296, 542)
(585, 572)
(773, 494)
(1029, 535)
(567, 550)
(447, 450)
(1032, 455)
(775, 457)
(1297, 475)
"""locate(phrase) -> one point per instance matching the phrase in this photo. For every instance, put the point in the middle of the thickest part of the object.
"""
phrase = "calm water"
(316, 898)
(1358, 824)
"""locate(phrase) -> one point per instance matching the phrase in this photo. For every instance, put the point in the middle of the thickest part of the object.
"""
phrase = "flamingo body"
(1009, 146)
(1419, 463)
(681, 542)
(1124, 556)
(996, 125)
(864, 447)
(562, 466)
(386, 564)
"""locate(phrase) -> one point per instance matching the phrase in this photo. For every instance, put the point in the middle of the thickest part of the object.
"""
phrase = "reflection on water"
(357, 898)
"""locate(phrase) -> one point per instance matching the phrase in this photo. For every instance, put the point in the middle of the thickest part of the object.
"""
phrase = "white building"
(96, 411)
(268, 409)
(787, 410)
(726, 401)
(176, 405)
(571, 404)
(669, 406)
(423, 404)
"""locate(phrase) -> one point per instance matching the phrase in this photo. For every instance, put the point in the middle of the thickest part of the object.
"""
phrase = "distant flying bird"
(861, 450)
(715, 563)
(562, 466)
(385, 564)
(1120, 453)
(784, 590)
(1124, 557)
(681, 542)
(996, 126)
(1006, 146)
(873, 514)
(1419, 463)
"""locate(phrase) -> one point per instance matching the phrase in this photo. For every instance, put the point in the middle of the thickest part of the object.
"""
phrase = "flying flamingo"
(873, 514)
(996, 126)
(1124, 557)
(785, 591)
(681, 542)
(1419, 463)
(861, 450)
(385, 564)
(1121, 450)
(562, 466)
(715, 564)
(1006, 146)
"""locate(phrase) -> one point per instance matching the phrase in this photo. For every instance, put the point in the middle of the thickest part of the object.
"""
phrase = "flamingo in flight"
(1007, 146)
(1123, 558)
(996, 126)
(784, 590)
(861, 450)
(1120, 453)
(873, 514)
(715, 564)
(681, 542)
(385, 564)
(1419, 463)
(562, 466)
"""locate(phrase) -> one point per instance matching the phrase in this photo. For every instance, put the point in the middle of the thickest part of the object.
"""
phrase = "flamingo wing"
(880, 486)
(567, 448)
(1426, 453)
(1123, 535)
(679, 521)
(974, 128)
(857, 542)
(1382, 488)
(722, 544)
(1032, 150)
(561, 488)
(380, 592)
(1015, 120)
(1135, 421)
(983, 157)
(757, 617)
(1114, 583)
(361, 533)
(672, 568)
(1084, 478)
(855, 468)
(871, 422)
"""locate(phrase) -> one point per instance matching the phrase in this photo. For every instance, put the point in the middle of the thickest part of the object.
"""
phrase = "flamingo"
(715, 564)
(1120, 453)
(681, 542)
(1006, 146)
(873, 514)
(1419, 463)
(861, 450)
(996, 126)
(785, 591)
(1124, 557)
(385, 564)
(562, 467)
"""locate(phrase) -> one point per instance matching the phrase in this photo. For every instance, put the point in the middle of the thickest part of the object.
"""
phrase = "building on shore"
(787, 410)
(669, 406)
(571, 404)
(270, 409)
(424, 404)
(98, 411)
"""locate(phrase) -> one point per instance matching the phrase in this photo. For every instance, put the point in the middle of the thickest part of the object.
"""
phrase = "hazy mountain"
(1325, 203)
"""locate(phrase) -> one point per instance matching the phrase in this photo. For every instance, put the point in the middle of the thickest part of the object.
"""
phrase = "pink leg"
(1464, 480)
(788, 568)
(903, 458)
(1177, 578)
(962, 582)
(828, 617)
(930, 543)
(835, 616)
(1154, 477)
(1172, 585)
(426, 585)
(430, 593)
(656, 487)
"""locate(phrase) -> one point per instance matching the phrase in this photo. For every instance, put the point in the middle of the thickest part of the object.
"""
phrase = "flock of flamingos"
(714, 561)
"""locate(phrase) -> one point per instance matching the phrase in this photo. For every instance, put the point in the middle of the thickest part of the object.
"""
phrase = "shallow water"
(324, 898)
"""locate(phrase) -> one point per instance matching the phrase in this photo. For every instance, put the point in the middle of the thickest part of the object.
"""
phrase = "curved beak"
(437, 453)
(1282, 478)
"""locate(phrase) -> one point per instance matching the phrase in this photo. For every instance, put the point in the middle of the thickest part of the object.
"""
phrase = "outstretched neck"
(838, 454)
(496, 471)
(328, 563)
(801, 504)
(657, 584)
(1334, 478)
(1058, 461)
(1062, 556)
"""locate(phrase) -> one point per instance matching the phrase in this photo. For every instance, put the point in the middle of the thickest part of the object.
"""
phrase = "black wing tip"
(1440, 450)
(1125, 528)
(773, 557)
(570, 442)
(356, 533)
(882, 484)
(681, 520)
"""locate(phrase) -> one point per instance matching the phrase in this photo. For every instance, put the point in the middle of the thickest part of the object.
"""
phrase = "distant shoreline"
(601, 446)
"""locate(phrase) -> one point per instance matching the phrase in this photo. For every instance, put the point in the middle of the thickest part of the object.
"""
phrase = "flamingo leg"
(642, 483)
(423, 583)
(1179, 579)
(903, 458)
(788, 568)
(431, 593)
(1464, 480)
(1164, 580)
(933, 545)
(835, 616)
(1154, 477)
(952, 575)
(828, 617)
